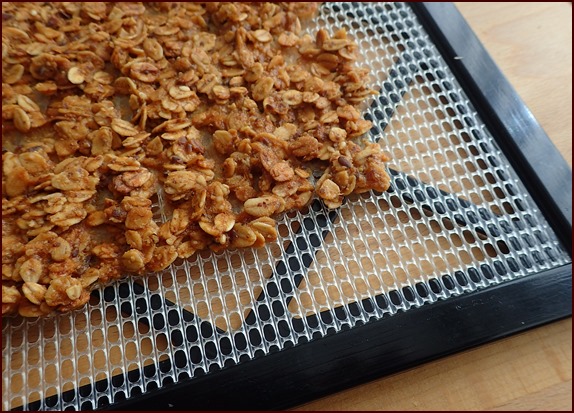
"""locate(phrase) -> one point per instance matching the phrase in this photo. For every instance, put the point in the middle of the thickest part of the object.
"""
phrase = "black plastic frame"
(520, 136)
(314, 369)
(307, 371)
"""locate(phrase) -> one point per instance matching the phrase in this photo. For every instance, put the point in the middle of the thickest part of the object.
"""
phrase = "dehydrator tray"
(471, 243)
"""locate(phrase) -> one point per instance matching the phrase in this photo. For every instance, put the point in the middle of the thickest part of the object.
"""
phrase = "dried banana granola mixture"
(226, 110)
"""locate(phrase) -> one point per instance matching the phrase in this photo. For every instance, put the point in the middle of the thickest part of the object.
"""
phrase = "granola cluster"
(225, 111)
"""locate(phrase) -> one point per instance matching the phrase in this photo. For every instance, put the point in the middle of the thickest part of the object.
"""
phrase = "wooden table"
(532, 44)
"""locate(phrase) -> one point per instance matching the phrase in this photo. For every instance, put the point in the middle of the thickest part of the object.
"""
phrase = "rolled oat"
(223, 110)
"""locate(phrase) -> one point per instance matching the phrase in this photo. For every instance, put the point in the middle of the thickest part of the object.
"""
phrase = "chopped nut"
(288, 39)
(282, 171)
(57, 293)
(223, 142)
(337, 134)
(138, 218)
(74, 291)
(133, 260)
(10, 295)
(306, 147)
(61, 249)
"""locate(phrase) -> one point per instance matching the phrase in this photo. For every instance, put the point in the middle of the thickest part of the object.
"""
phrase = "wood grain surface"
(532, 44)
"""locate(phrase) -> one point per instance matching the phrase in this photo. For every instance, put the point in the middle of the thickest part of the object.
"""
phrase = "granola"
(226, 110)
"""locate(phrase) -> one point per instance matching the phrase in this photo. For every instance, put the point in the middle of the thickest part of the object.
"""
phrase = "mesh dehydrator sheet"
(456, 219)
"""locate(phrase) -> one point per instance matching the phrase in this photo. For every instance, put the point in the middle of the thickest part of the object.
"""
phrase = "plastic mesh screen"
(456, 219)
